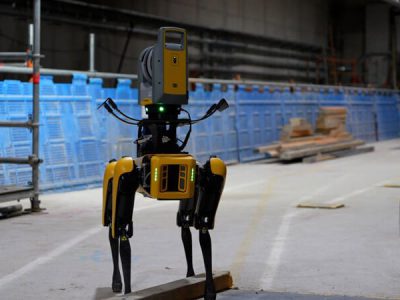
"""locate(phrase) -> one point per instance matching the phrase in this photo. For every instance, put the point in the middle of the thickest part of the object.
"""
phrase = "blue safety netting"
(77, 140)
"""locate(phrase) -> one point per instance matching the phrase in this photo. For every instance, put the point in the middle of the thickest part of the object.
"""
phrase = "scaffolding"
(8, 193)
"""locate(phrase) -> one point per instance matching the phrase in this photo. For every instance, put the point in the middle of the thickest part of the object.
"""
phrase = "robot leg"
(184, 219)
(124, 185)
(211, 185)
(106, 220)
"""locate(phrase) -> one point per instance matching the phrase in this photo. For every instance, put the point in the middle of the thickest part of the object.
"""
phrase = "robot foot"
(190, 273)
(210, 296)
(117, 286)
(116, 282)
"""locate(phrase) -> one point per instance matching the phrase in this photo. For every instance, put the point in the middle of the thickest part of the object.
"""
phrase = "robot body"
(163, 171)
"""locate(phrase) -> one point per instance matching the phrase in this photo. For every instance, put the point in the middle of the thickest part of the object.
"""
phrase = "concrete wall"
(377, 43)
(66, 46)
(294, 20)
(362, 32)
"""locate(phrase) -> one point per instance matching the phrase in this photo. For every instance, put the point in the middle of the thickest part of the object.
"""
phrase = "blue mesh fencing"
(3, 174)
(387, 115)
(259, 118)
(200, 143)
(360, 116)
(116, 138)
(397, 96)
(76, 139)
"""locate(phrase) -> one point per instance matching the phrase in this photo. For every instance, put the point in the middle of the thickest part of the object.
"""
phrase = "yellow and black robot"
(162, 170)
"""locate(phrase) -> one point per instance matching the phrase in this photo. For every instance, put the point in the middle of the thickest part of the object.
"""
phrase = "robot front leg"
(206, 249)
(185, 220)
(116, 277)
(210, 186)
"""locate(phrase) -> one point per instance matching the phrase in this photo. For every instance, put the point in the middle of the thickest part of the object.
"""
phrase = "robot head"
(162, 70)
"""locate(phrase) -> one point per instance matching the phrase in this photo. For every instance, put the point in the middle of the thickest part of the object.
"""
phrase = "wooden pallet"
(337, 154)
(331, 139)
(182, 289)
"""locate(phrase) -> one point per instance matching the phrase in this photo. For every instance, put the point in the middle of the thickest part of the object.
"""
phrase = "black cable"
(126, 116)
(185, 141)
(109, 109)
(207, 115)
(122, 120)
(115, 107)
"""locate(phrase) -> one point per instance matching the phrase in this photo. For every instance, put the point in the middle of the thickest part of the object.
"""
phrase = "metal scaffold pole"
(35, 203)
(91, 52)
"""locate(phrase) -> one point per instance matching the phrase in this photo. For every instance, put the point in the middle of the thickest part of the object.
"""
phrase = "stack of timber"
(297, 127)
(330, 139)
(332, 121)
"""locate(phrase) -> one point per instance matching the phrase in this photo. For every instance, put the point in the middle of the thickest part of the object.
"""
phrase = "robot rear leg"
(119, 187)
(107, 220)
(211, 185)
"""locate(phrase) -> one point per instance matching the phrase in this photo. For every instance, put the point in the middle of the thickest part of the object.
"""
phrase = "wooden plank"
(266, 149)
(182, 289)
(292, 154)
(319, 142)
(297, 127)
(337, 154)
(320, 205)
(392, 186)
(333, 110)
(349, 152)
(317, 158)
(301, 143)
(305, 138)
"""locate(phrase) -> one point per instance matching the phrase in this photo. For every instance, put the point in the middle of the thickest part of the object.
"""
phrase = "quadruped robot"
(162, 170)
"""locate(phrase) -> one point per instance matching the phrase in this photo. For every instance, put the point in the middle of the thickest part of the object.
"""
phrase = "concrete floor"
(260, 235)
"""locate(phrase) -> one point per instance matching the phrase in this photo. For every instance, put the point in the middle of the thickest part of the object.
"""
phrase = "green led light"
(161, 108)
(155, 174)
(192, 175)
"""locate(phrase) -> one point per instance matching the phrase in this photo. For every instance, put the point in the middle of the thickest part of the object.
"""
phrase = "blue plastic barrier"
(15, 142)
(387, 115)
(229, 130)
(301, 105)
(3, 174)
(76, 139)
(20, 176)
(117, 137)
(67, 122)
(200, 143)
(222, 137)
(397, 96)
(360, 116)
(258, 122)
(63, 89)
